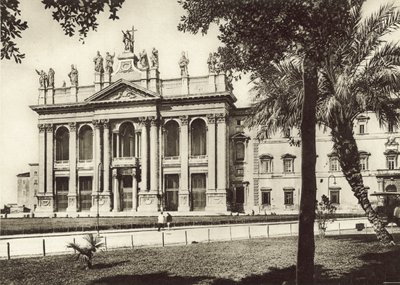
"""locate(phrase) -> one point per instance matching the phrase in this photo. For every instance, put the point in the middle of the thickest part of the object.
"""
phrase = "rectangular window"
(288, 197)
(334, 164)
(239, 171)
(288, 165)
(265, 165)
(85, 189)
(364, 163)
(239, 151)
(390, 128)
(240, 194)
(391, 162)
(334, 196)
(361, 129)
(266, 197)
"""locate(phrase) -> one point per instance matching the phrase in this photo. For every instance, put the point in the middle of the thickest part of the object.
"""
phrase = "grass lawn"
(353, 259)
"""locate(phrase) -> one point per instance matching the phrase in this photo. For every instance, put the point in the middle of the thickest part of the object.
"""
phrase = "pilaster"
(154, 155)
(185, 84)
(72, 189)
(115, 186)
(49, 95)
(98, 78)
(42, 158)
(183, 203)
(144, 156)
(106, 156)
(96, 162)
(211, 152)
(49, 159)
(106, 79)
(134, 190)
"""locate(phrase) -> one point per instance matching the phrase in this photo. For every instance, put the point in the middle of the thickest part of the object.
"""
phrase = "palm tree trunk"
(306, 244)
(347, 150)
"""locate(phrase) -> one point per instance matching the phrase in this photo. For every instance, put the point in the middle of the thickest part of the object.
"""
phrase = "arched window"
(86, 143)
(171, 139)
(62, 144)
(127, 140)
(198, 137)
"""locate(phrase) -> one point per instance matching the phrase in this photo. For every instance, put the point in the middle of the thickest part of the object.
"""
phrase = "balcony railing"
(61, 164)
(388, 172)
(125, 161)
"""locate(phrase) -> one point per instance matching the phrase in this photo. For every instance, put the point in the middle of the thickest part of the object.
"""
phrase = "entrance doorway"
(198, 192)
(126, 193)
(171, 192)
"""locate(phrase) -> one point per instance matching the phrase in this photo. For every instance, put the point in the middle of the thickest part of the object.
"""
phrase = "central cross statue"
(129, 39)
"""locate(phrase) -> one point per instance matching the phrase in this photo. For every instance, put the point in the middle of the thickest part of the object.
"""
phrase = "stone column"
(184, 155)
(106, 156)
(221, 151)
(42, 159)
(72, 190)
(153, 155)
(49, 164)
(134, 190)
(216, 200)
(96, 161)
(115, 186)
(144, 156)
(106, 194)
(211, 152)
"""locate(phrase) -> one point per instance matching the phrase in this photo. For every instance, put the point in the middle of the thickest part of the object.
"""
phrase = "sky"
(45, 46)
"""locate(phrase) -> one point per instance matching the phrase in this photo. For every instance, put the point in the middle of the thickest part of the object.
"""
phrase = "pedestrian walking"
(169, 220)
(160, 221)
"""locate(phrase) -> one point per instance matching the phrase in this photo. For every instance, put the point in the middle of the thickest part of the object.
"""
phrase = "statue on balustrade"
(98, 63)
(211, 63)
(109, 62)
(128, 40)
(50, 78)
(183, 64)
(42, 78)
(144, 61)
(73, 76)
(154, 58)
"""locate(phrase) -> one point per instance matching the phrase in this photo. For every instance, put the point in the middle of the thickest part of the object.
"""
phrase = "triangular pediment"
(123, 90)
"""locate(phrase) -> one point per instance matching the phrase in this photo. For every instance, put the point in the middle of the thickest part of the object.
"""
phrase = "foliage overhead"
(74, 16)
(256, 32)
(361, 73)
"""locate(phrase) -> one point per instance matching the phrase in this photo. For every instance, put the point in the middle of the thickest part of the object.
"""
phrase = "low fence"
(51, 245)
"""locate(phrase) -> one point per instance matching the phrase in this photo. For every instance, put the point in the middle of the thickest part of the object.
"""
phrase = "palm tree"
(361, 73)
(85, 253)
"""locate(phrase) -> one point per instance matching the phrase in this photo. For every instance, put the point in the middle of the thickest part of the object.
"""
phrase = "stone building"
(27, 187)
(134, 142)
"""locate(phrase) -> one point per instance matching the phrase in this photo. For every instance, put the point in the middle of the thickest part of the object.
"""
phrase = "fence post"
(73, 240)
(132, 241)
(105, 242)
(267, 231)
(290, 229)
(44, 247)
(230, 232)
(208, 235)
(162, 237)
(8, 251)
(339, 228)
(186, 241)
(249, 233)
(366, 228)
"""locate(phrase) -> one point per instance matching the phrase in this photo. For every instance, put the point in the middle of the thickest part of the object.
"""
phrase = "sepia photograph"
(208, 142)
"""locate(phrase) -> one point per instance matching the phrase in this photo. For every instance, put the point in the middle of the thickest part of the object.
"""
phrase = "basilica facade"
(133, 143)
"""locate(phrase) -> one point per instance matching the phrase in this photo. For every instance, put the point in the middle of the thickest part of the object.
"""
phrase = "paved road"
(36, 245)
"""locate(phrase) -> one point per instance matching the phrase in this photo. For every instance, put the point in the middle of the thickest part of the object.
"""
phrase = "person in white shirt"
(160, 221)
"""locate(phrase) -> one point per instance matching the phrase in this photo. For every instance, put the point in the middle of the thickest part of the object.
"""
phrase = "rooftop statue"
(129, 39)
(64, 84)
(217, 63)
(211, 63)
(183, 64)
(73, 76)
(109, 62)
(144, 61)
(50, 78)
(154, 58)
(98, 63)
(42, 78)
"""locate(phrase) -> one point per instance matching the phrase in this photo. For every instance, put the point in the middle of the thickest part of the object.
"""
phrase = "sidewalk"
(51, 244)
